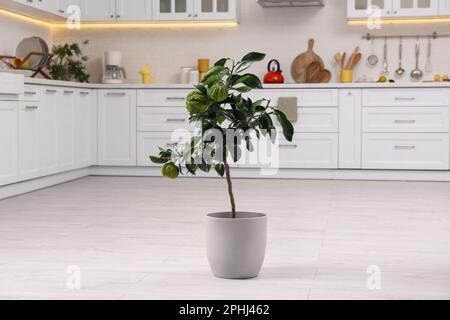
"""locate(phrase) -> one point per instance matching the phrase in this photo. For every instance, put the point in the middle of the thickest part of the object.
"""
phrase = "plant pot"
(236, 247)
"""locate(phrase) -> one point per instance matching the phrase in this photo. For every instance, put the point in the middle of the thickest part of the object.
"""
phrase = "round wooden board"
(302, 61)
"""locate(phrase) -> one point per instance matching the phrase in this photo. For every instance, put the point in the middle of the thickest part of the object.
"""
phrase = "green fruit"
(196, 102)
(218, 92)
(170, 170)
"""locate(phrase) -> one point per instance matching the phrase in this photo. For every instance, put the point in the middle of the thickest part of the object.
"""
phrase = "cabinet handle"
(290, 146)
(176, 120)
(115, 93)
(84, 93)
(118, 16)
(404, 147)
(61, 11)
(30, 93)
(31, 107)
(50, 91)
(190, 15)
(68, 92)
(111, 16)
(195, 15)
(175, 98)
(405, 121)
(405, 98)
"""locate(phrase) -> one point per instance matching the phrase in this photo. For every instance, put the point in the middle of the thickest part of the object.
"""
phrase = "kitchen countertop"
(267, 86)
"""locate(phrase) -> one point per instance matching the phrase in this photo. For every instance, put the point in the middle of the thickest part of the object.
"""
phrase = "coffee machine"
(113, 72)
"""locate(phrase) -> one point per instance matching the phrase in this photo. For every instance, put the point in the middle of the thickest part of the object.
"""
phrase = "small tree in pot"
(236, 241)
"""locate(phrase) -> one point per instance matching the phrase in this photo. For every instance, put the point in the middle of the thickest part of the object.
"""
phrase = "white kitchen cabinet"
(62, 6)
(85, 107)
(369, 8)
(8, 142)
(66, 130)
(98, 10)
(350, 129)
(444, 7)
(133, 10)
(215, 9)
(28, 145)
(415, 8)
(48, 130)
(117, 127)
(173, 9)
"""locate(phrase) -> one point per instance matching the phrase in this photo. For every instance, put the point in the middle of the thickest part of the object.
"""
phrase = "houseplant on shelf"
(235, 241)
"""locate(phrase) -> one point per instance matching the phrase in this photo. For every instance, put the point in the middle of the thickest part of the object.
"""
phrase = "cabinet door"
(117, 127)
(63, 5)
(444, 7)
(215, 10)
(28, 140)
(367, 8)
(83, 122)
(415, 8)
(8, 141)
(133, 10)
(66, 130)
(173, 9)
(98, 10)
(350, 129)
(48, 130)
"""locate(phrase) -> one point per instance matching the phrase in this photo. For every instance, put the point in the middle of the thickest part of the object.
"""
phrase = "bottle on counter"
(203, 67)
(146, 73)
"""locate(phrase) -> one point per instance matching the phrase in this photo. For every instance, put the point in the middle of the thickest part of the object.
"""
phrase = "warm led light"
(148, 25)
(24, 18)
(401, 21)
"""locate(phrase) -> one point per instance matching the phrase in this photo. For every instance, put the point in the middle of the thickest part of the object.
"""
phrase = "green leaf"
(288, 128)
(213, 75)
(157, 160)
(202, 89)
(243, 89)
(191, 167)
(204, 167)
(250, 80)
(221, 62)
(253, 57)
(220, 169)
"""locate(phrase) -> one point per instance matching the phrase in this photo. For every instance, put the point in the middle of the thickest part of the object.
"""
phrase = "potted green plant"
(235, 241)
(69, 63)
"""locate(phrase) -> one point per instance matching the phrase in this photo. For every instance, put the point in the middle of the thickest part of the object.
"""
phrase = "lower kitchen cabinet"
(48, 130)
(28, 167)
(350, 129)
(147, 145)
(85, 128)
(66, 130)
(406, 151)
(117, 127)
(8, 142)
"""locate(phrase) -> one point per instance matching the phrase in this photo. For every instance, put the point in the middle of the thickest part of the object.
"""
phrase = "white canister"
(193, 76)
(184, 74)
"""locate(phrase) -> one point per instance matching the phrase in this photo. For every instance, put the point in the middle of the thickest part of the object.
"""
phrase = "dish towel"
(288, 105)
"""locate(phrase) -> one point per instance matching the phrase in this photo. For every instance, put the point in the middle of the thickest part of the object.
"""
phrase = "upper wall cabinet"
(98, 10)
(194, 10)
(116, 10)
(397, 8)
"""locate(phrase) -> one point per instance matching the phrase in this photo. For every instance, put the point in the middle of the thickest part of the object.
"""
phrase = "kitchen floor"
(142, 238)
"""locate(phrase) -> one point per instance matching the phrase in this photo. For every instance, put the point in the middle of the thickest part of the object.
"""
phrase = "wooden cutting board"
(316, 74)
(302, 61)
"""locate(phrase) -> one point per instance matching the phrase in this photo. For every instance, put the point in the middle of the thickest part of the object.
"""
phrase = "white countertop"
(267, 86)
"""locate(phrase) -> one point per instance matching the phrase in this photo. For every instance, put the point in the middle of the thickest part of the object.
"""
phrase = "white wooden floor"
(142, 238)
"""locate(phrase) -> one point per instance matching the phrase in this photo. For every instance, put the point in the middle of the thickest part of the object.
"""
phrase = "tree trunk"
(230, 190)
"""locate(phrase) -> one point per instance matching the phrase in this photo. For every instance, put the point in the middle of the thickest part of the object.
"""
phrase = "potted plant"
(235, 241)
(69, 63)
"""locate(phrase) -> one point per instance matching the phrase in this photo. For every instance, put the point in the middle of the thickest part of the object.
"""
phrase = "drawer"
(305, 98)
(148, 144)
(406, 151)
(306, 151)
(399, 119)
(413, 97)
(31, 93)
(162, 98)
(162, 119)
(317, 120)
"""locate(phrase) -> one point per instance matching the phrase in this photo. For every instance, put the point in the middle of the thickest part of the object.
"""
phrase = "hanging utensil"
(428, 65)
(372, 60)
(417, 74)
(400, 71)
(385, 59)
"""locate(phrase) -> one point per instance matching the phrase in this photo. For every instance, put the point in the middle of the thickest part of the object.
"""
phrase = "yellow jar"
(347, 76)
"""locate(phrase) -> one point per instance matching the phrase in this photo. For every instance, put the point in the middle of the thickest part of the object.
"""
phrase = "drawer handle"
(289, 146)
(50, 91)
(176, 98)
(176, 120)
(31, 107)
(405, 147)
(115, 93)
(68, 92)
(405, 98)
(84, 93)
(405, 121)
(30, 93)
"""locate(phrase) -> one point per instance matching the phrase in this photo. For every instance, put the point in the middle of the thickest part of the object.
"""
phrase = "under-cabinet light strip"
(401, 21)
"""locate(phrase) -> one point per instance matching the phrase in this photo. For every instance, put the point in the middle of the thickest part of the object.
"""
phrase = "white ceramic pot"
(236, 247)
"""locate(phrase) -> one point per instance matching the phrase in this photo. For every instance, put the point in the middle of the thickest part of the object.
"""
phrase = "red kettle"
(274, 75)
